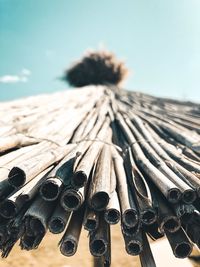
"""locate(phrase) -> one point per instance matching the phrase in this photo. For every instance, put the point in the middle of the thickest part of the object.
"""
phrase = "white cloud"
(23, 77)
(12, 79)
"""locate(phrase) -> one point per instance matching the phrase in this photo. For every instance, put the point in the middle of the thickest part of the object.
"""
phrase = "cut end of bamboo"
(56, 225)
(8, 209)
(29, 242)
(134, 247)
(71, 200)
(90, 225)
(112, 216)
(130, 218)
(79, 179)
(148, 216)
(174, 195)
(100, 200)
(98, 247)
(91, 220)
(189, 196)
(171, 224)
(183, 250)
(68, 247)
(49, 190)
(16, 177)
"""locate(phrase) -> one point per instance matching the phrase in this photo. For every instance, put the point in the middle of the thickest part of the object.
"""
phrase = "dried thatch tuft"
(101, 67)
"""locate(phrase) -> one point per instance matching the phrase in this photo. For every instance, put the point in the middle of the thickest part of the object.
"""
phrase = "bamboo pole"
(58, 220)
(99, 193)
(146, 256)
(91, 220)
(70, 239)
(179, 243)
(128, 208)
(99, 239)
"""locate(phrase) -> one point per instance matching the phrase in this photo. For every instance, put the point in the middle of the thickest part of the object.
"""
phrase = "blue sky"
(159, 39)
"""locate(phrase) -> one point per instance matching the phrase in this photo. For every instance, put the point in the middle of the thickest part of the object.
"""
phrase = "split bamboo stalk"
(166, 186)
(37, 216)
(141, 191)
(184, 187)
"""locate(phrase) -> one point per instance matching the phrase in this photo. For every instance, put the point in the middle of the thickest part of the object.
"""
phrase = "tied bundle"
(95, 157)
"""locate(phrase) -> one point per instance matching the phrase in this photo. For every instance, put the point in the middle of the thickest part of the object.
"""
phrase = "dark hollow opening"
(189, 196)
(49, 191)
(183, 250)
(71, 201)
(98, 247)
(100, 200)
(134, 248)
(8, 209)
(79, 179)
(171, 225)
(16, 177)
(130, 218)
(68, 247)
(148, 217)
(112, 216)
(56, 225)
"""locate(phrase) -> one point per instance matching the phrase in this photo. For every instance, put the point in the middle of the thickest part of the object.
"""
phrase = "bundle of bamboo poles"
(95, 157)
(98, 156)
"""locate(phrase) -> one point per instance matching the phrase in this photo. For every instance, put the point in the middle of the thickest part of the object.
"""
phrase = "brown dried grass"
(101, 67)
